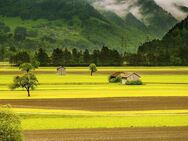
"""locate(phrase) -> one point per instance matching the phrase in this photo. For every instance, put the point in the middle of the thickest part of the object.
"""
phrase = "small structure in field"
(61, 70)
(130, 77)
(123, 77)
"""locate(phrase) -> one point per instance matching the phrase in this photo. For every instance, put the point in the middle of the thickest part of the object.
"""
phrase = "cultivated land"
(80, 107)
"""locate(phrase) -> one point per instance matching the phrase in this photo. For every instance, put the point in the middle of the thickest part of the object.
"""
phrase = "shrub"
(138, 82)
(115, 80)
(10, 126)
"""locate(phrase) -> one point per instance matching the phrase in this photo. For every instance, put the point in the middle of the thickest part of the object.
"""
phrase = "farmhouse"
(126, 76)
(130, 77)
(61, 70)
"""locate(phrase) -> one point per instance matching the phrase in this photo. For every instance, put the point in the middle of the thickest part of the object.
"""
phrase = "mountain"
(171, 50)
(84, 23)
(155, 18)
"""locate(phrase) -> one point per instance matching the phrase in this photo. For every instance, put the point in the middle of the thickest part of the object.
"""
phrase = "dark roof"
(60, 68)
(124, 74)
(129, 74)
(116, 74)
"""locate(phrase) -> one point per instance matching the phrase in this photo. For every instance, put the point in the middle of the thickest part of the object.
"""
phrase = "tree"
(2, 53)
(42, 57)
(27, 67)
(20, 58)
(20, 33)
(57, 57)
(95, 57)
(86, 56)
(116, 58)
(27, 81)
(35, 63)
(92, 68)
(67, 56)
(10, 125)
(105, 56)
(75, 56)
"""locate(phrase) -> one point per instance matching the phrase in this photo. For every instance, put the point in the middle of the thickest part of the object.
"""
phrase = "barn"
(61, 70)
(126, 76)
(130, 77)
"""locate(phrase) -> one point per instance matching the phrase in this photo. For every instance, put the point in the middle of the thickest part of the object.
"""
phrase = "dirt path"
(104, 104)
(122, 134)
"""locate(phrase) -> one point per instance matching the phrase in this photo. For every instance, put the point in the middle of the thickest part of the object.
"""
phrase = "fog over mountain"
(122, 7)
(173, 7)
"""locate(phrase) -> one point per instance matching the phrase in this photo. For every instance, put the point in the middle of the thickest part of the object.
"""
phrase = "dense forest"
(59, 57)
(171, 50)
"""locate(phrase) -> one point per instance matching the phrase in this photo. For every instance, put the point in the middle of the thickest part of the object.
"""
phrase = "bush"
(115, 80)
(10, 126)
(138, 82)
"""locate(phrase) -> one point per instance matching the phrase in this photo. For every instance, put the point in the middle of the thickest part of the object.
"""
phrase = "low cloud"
(171, 7)
(120, 7)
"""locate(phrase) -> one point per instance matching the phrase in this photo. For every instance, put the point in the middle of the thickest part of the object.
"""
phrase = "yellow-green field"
(85, 86)
(35, 119)
(79, 84)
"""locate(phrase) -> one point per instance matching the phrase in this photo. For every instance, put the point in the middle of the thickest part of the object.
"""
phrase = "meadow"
(164, 83)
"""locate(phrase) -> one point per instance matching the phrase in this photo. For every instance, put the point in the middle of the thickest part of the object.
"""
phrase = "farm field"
(80, 104)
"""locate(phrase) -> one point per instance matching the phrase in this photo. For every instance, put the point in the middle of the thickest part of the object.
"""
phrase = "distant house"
(61, 70)
(126, 76)
(130, 77)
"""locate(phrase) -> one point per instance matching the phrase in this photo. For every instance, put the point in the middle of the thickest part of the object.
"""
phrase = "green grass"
(85, 86)
(88, 91)
(72, 122)
(40, 119)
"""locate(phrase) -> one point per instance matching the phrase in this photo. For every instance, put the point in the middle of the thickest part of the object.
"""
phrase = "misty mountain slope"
(135, 31)
(131, 20)
(156, 19)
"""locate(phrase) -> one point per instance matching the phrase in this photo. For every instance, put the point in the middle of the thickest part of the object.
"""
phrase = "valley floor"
(78, 107)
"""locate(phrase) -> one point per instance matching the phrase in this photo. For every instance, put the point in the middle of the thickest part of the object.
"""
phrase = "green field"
(41, 119)
(42, 123)
(79, 84)
(85, 86)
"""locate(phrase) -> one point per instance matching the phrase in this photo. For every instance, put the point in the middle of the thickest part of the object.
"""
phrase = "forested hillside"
(64, 24)
(171, 50)
(76, 24)
(146, 12)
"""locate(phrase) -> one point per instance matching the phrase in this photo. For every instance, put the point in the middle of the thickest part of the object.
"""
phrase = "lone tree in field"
(10, 125)
(27, 67)
(92, 68)
(28, 80)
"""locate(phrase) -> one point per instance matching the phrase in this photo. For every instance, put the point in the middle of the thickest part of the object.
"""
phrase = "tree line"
(65, 57)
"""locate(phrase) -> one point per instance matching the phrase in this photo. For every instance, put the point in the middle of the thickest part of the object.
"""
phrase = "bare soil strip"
(104, 104)
(119, 134)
